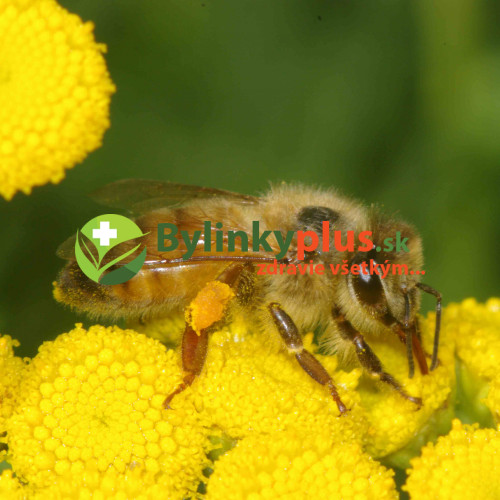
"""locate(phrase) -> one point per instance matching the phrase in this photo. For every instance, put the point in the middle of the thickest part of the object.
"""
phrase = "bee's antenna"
(428, 289)
(408, 338)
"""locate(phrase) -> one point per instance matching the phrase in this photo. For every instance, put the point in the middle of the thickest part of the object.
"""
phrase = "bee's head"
(385, 284)
(386, 289)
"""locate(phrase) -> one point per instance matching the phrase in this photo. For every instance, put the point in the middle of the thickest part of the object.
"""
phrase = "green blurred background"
(394, 102)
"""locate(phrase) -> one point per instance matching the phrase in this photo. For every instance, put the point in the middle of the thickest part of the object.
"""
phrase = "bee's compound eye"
(368, 287)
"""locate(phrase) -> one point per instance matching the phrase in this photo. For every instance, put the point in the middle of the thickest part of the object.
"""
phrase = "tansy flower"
(492, 401)
(93, 400)
(10, 487)
(475, 329)
(167, 330)
(11, 369)
(136, 484)
(90, 483)
(462, 465)
(89, 417)
(54, 93)
(251, 385)
(397, 429)
(298, 465)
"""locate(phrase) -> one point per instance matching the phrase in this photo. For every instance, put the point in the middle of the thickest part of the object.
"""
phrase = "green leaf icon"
(126, 272)
(104, 233)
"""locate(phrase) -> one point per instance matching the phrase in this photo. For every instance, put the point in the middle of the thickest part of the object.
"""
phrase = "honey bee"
(342, 304)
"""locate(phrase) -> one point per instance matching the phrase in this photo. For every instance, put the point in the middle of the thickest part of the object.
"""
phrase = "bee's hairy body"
(331, 301)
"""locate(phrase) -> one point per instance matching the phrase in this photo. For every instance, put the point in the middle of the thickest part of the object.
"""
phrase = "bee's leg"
(290, 335)
(195, 345)
(368, 358)
(194, 352)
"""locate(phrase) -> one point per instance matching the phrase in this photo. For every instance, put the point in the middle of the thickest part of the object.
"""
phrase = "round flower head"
(94, 400)
(10, 487)
(11, 370)
(398, 428)
(167, 330)
(297, 465)
(492, 401)
(113, 485)
(475, 329)
(464, 464)
(91, 483)
(54, 93)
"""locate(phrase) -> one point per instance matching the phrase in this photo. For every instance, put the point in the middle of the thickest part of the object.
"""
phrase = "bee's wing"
(142, 195)
(66, 250)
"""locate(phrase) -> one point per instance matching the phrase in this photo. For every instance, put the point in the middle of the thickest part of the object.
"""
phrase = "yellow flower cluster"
(492, 400)
(11, 369)
(88, 419)
(475, 328)
(464, 464)
(397, 430)
(91, 483)
(274, 393)
(54, 93)
(93, 400)
(10, 487)
(297, 465)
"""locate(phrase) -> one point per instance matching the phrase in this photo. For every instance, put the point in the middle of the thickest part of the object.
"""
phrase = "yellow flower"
(135, 484)
(55, 93)
(10, 487)
(476, 331)
(89, 421)
(251, 385)
(397, 429)
(167, 330)
(462, 465)
(11, 370)
(248, 386)
(91, 483)
(492, 401)
(94, 400)
(298, 465)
